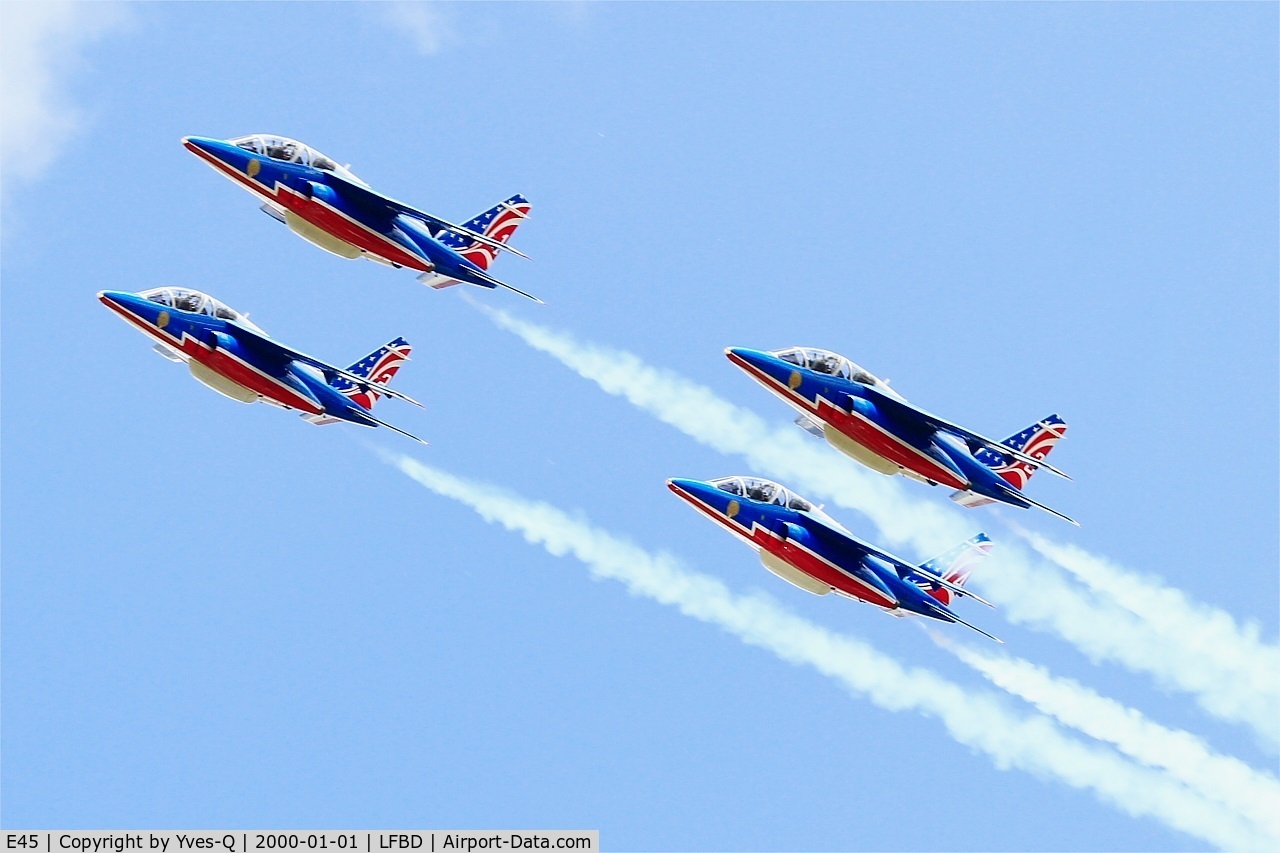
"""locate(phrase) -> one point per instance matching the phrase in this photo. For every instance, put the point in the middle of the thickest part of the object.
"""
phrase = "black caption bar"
(281, 841)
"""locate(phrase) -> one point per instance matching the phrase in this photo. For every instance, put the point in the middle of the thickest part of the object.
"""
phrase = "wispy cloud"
(1253, 794)
(425, 24)
(1234, 681)
(40, 49)
(1028, 742)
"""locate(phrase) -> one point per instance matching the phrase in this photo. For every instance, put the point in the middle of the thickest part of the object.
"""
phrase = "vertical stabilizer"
(954, 565)
(1036, 441)
(497, 223)
(378, 366)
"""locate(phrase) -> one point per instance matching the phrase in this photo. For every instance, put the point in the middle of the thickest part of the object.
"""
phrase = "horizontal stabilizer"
(438, 282)
(943, 582)
(969, 499)
(1039, 505)
(491, 280)
(976, 628)
(383, 423)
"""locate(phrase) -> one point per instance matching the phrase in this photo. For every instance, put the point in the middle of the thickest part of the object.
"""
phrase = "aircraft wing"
(369, 198)
(910, 412)
(265, 344)
(830, 535)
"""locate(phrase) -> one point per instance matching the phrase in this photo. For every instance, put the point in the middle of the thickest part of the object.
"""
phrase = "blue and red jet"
(805, 547)
(864, 418)
(327, 205)
(234, 357)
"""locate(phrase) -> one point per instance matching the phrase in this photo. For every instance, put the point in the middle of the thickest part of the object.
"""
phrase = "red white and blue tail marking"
(954, 566)
(497, 223)
(378, 366)
(1036, 441)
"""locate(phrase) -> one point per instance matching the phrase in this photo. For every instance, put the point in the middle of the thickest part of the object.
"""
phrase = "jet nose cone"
(203, 145)
(682, 486)
(128, 304)
(759, 364)
(743, 356)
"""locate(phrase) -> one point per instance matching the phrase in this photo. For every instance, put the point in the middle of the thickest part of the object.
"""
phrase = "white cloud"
(423, 23)
(40, 45)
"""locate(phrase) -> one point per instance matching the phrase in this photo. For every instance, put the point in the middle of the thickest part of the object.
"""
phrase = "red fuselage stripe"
(224, 364)
(860, 430)
(322, 216)
(796, 557)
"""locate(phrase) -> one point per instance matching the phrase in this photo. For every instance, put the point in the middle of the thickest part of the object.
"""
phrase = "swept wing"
(911, 412)
(369, 198)
(825, 531)
(265, 344)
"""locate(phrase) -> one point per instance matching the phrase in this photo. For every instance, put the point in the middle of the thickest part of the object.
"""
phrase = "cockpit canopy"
(183, 299)
(825, 361)
(764, 491)
(291, 151)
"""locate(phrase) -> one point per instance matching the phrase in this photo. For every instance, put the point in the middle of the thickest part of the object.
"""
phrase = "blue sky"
(218, 615)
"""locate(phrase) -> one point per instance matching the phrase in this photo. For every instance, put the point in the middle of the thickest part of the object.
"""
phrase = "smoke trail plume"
(1252, 794)
(1233, 648)
(1230, 681)
(1030, 743)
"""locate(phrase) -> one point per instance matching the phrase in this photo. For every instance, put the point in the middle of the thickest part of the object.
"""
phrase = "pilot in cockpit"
(281, 149)
(189, 300)
(763, 491)
(183, 299)
(825, 362)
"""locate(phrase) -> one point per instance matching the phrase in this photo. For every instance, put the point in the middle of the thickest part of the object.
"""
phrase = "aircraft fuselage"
(221, 361)
(854, 424)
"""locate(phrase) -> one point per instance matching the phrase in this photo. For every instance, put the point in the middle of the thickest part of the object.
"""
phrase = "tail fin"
(1035, 441)
(497, 223)
(955, 565)
(379, 366)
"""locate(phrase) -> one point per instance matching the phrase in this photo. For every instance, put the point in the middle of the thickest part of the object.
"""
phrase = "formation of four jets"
(854, 411)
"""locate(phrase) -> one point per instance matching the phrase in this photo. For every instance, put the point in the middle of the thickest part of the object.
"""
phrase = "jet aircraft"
(327, 205)
(864, 418)
(234, 357)
(805, 547)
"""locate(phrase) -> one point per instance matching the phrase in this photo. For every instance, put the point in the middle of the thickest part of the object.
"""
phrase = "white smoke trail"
(1252, 794)
(1234, 682)
(1169, 613)
(1030, 743)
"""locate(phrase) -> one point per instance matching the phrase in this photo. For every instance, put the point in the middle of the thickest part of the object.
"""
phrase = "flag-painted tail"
(378, 366)
(498, 223)
(1035, 441)
(953, 566)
